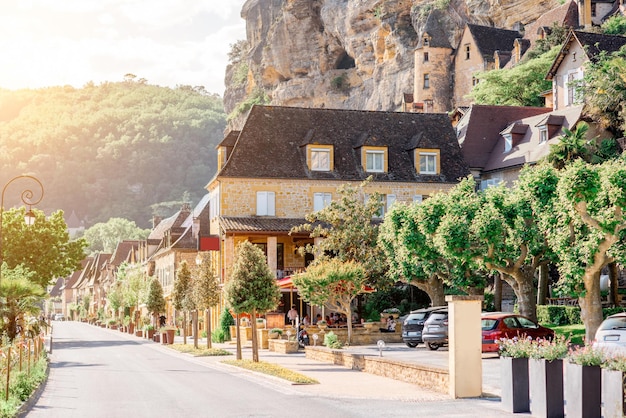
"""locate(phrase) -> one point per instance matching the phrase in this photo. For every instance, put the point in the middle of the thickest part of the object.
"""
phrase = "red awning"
(285, 282)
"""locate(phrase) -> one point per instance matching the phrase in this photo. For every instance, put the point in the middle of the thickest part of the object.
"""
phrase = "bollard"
(381, 345)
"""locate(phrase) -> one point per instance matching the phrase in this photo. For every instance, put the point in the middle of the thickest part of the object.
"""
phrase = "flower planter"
(150, 333)
(514, 377)
(582, 390)
(139, 333)
(170, 336)
(613, 384)
(546, 387)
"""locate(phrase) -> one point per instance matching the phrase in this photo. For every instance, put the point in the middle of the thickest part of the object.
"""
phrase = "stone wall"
(429, 377)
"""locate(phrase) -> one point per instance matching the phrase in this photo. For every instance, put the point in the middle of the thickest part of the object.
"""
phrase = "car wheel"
(412, 345)
(433, 346)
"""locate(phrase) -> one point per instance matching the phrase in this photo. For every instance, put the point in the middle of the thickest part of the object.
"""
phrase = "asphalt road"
(100, 373)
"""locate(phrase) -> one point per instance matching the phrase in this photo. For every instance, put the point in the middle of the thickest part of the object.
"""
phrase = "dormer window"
(375, 159)
(543, 134)
(427, 161)
(320, 157)
(426, 41)
(508, 142)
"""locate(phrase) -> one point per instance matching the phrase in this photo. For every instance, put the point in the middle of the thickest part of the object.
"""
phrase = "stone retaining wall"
(425, 376)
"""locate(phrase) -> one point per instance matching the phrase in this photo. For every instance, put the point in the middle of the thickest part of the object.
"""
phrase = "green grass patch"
(199, 352)
(575, 333)
(272, 370)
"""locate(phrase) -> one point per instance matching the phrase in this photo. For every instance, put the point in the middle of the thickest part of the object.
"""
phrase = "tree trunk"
(238, 337)
(185, 327)
(497, 292)
(542, 286)
(613, 282)
(434, 289)
(195, 328)
(523, 286)
(255, 347)
(591, 304)
(208, 328)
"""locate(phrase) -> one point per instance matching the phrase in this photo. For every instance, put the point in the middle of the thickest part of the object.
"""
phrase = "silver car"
(611, 335)
(435, 333)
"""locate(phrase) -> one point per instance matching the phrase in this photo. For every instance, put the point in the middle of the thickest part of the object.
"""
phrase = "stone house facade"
(287, 162)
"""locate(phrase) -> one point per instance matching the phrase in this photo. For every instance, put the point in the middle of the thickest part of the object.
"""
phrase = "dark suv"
(435, 333)
(414, 324)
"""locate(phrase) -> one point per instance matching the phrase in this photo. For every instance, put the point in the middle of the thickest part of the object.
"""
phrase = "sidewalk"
(340, 382)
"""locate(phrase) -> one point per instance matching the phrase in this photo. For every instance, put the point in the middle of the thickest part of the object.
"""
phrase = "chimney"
(155, 221)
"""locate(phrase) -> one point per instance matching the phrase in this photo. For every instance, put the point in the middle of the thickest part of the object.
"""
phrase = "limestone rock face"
(349, 54)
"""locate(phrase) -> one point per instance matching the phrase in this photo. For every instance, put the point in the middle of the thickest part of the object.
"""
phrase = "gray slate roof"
(272, 144)
(489, 39)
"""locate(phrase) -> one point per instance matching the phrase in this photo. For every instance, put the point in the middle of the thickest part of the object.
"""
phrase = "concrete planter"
(546, 388)
(613, 384)
(514, 379)
(582, 390)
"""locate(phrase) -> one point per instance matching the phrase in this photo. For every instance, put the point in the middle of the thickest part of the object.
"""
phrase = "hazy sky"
(71, 42)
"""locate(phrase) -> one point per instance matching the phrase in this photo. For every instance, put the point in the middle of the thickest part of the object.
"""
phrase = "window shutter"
(318, 201)
(261, 203)
(271, 204)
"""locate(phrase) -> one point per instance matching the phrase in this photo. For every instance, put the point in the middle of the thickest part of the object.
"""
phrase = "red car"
(497, 325)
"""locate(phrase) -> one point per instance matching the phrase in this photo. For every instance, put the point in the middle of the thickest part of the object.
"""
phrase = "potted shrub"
(583, 386)
(275, 333)
(514, 354)
(395, 312)
(167, 334)
(149, 329)
(112, 323)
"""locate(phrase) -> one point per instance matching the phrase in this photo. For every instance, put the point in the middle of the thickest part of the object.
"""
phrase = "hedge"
(567, 315)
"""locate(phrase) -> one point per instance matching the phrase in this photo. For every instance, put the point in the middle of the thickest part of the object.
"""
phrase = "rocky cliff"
(355, 54)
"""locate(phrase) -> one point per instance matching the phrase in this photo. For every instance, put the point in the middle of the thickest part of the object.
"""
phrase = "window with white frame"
(321, 200)
(572, 80)
(543, 134)
(418, 198)
(320, 159)
(265, 204)
(375, 161)
(428, 162)
(508, 142)
(386, 202)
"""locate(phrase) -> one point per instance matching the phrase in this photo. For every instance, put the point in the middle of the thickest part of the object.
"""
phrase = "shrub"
(586, 356)
(331, 340)
(226, 320)
(218, 336)
(515, 347)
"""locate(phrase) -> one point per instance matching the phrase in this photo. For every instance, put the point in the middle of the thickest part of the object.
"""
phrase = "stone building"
(288, 162)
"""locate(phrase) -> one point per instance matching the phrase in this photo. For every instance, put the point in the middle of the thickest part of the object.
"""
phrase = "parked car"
(413, 325)
(59, 317)
(435, 333)
(611, 335)
(497, 325)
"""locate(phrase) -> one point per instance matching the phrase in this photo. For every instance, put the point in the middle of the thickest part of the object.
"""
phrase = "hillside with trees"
(119, 149)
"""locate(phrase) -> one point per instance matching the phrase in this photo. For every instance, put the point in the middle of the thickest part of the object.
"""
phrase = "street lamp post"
(28, 197)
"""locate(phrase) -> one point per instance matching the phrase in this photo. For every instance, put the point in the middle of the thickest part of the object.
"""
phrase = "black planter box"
(514, 374)
(546, 388)
(583, 390)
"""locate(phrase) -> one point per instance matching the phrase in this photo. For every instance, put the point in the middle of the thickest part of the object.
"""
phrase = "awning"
(285, 283)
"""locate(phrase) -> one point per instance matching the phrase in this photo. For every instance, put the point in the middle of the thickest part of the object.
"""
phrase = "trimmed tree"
(155, 302)
(333, 283)
(582, 212)
(206, 291)
(181, 295)
(251, 289)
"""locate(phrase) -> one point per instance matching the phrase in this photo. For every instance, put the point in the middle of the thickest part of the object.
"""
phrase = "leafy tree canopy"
(182, 296)
(44, 248)
(114, 149)
(20, 296)
(104, 236)
(155, 303)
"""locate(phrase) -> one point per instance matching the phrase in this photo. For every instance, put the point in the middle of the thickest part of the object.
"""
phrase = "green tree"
(350, 232)
(252, 287)
(206, 290)
(104, 236)
(133, 287)
(182, 296)
(155, 302)
(21, 296)
(44, 248)
(604, 90)
(581, 210)
(572, 145)
(521, 85)
(411, 254)
(615, 25)
(333, 283)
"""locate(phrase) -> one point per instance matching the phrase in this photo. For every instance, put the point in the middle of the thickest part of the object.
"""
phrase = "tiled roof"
(259, 224)
(270, 144)
(564, 15)
(528, 149)
(489, 39)
(56, 290)
(479, 129)
(229, 140)
(594, 43)
(123, 250)
(435, 27)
